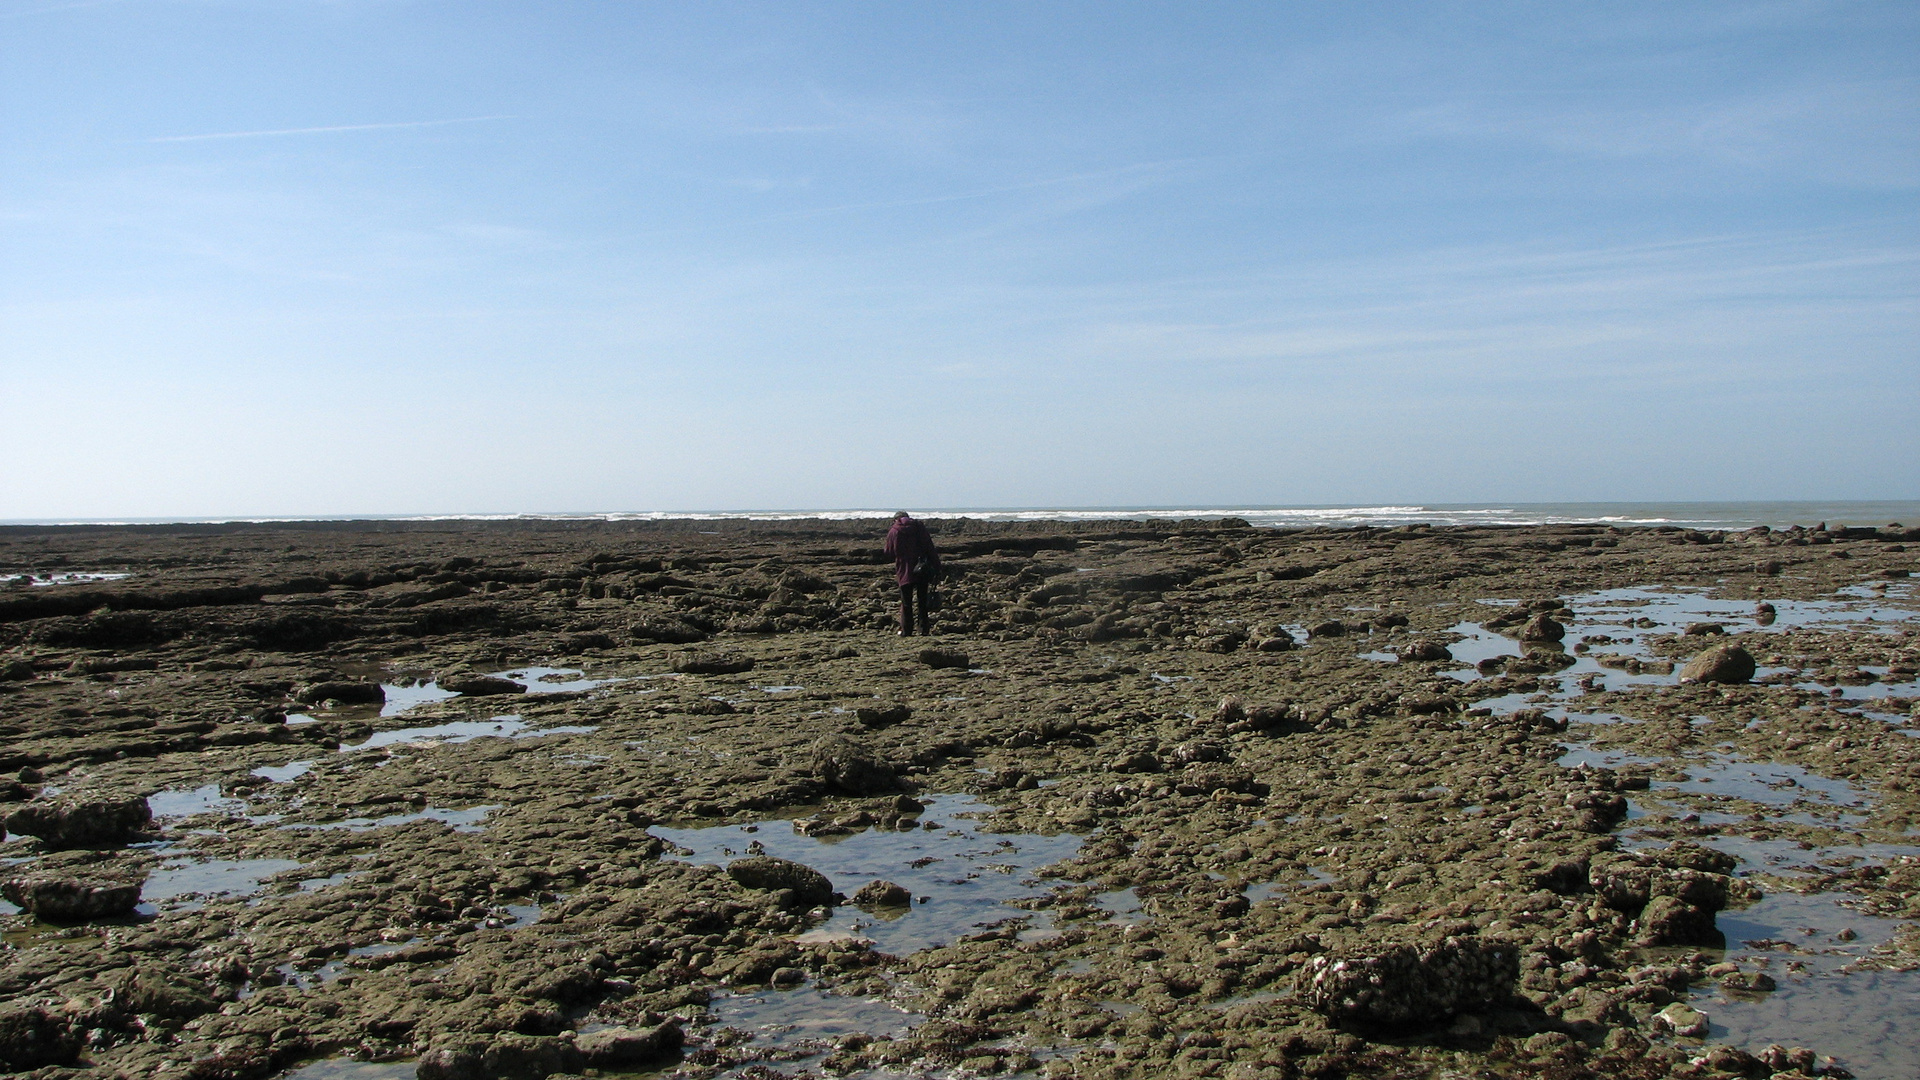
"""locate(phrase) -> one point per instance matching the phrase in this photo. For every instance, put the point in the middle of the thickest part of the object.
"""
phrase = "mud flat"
(462, 800)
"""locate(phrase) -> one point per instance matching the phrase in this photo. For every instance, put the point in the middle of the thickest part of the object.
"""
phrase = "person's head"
(902, 516)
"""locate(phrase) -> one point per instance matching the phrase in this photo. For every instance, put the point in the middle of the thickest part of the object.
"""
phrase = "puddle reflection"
(962, 878)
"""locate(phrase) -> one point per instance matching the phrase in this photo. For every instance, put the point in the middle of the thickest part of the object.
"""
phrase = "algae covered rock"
(622, 1046)
(1720, 664)
(342, 691)
(1409, 983)
(475, 685)
(32, 1037)
(72, 900)
(506, 1056)
(765, 872)
(843, 764)
(83, 823)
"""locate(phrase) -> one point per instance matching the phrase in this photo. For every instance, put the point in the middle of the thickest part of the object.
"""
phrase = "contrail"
(321, 130)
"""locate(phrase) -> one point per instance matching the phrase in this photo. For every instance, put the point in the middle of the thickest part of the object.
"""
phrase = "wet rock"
(1409, 983)
(1542, 627)
(344, 692)
(843, 764)
(1768, 567)
(945, 658)
(619, 1046)
(712, 663)
(473, 684)
(31, 1037)
(15, 671)
(1753, 982)
(882, 894)
(1720, 664)
(83, 823)
(1281, 641)
(879, 716)
(1797, 1059)
(66, 899)
(809, 887)
(1423, 650)
(507, 1056)
(1669, 920)
(1704, 629)
(1331, 628)
(1681, 1019)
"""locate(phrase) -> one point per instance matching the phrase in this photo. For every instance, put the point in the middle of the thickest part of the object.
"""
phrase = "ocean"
(1693, 515)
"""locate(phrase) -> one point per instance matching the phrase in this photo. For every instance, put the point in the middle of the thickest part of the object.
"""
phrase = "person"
(916, 565)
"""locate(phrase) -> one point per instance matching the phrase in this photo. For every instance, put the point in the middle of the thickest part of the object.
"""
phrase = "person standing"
(916, 565)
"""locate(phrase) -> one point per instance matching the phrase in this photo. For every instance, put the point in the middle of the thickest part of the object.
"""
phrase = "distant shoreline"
(1697, 515)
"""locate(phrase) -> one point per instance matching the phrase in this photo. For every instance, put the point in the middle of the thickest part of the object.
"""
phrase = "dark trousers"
(911, 596)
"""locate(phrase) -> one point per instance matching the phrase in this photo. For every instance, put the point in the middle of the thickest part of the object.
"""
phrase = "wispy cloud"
(324, 130)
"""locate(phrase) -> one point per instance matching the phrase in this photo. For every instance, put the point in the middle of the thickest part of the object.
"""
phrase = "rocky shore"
(1415, 802)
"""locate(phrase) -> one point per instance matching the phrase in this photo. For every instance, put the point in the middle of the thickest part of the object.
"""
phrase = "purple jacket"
(908, 542)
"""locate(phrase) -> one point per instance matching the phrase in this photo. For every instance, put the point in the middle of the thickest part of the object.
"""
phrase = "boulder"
(83, 823)
(945, 658)
(1720, 664)
(622, 1046)
(1327, 629)
(343, 691)
(1542, 627)
(879, 716)
(767, 873)
(882, 894)
(506, 1056)
(1423, 650)
(843, 764)
(72, 900)
(1669, 920)
(473, 684)
(1409, 983)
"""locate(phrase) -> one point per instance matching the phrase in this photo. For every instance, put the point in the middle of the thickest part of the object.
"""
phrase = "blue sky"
(378, 256)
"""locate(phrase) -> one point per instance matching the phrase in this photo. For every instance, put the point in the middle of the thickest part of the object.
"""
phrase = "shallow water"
(1863, 1018)
(458, 731)
(1615, 613)
(782, 1017)
(185, 883)
(961, 878)
(344, 1069)
(467, 821)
